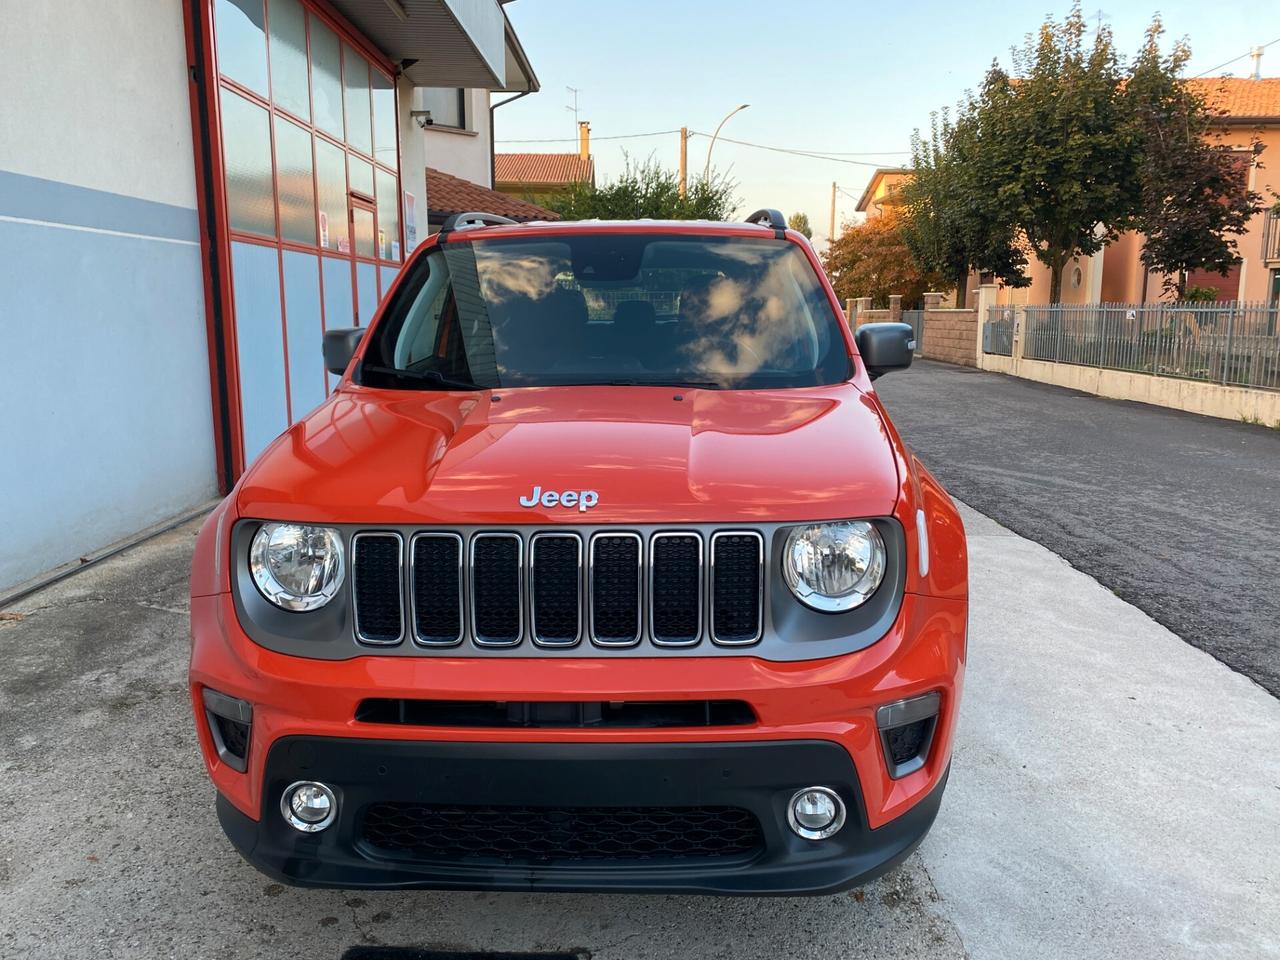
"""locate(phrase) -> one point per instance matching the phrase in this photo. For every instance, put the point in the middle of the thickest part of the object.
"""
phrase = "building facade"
(198, 191)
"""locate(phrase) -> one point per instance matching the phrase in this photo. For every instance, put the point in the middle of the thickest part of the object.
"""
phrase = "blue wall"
(105, 412)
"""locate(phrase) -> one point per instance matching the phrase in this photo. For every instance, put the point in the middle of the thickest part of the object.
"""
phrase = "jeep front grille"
(558, 588)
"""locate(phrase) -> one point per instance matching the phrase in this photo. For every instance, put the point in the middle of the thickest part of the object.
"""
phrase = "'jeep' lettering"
(584, 500)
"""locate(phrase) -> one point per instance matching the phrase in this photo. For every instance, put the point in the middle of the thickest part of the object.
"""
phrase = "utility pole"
(831, 231)
(684, 161)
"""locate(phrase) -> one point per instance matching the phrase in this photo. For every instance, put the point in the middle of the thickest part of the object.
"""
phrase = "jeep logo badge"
(584, 500)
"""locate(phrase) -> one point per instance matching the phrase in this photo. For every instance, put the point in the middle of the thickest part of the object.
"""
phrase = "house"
(1116, 274)
(199, 191)
(537, 176)
(447, 195)
(882, 189)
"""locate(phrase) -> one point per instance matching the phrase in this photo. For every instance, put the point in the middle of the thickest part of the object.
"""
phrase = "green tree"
(647, 190)
(1058, 149)
(951, 221)
(799, 222)
(1192, 200)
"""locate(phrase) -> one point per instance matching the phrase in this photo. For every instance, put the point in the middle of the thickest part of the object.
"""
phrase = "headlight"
(834, 566)
(296, 567)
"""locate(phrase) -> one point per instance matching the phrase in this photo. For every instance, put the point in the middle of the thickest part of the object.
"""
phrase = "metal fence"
(997, 332)
(1230, 343)
(916, 319)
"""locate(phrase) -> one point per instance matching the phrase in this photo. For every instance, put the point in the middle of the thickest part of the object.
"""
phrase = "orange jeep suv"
(602, 568)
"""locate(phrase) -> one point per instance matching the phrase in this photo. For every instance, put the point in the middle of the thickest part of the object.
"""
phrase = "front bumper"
(756, 777)
(815, 725)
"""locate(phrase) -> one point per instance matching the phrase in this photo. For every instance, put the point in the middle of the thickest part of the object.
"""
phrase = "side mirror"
(885, 346)
(340, 347)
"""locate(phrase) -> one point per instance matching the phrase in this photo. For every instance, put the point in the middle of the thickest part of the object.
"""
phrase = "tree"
(1192, 199)
(799, 222)
(1059, 152)
(872, 260)
(952, 222)
(647, 190)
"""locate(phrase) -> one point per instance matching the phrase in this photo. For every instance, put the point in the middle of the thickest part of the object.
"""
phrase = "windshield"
(600, 308)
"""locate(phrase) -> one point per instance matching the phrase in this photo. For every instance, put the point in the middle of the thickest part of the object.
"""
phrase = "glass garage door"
(310, 157)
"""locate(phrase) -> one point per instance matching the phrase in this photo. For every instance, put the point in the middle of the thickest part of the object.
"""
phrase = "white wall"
(95, 94)
(413, 162)
(464, 153)
(105, 410)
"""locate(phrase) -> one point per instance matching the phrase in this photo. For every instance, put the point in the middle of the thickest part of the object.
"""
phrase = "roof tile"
(1241, 96)
(448, 194)
(543, 168)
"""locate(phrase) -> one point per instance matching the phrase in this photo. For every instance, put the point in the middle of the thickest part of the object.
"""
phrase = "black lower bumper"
(759, 777)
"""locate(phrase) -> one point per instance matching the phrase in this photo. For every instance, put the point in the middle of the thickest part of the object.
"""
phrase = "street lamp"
(706, 172)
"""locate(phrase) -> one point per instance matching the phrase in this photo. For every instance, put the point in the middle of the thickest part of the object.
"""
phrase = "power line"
(594, 138)
(1234, 59)
(832, 158)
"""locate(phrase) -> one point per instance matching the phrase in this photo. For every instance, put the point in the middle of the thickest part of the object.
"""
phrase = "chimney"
(1256, 53)
(584, 140)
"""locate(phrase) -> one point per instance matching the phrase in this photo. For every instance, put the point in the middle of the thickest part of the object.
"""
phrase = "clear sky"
(849, 78)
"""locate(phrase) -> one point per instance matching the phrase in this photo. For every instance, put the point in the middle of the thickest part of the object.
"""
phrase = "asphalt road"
(1177, 514)
(1084, 818)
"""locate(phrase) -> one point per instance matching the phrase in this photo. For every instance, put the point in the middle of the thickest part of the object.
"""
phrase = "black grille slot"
(437, 588)
(736, 587)
(547, 835)
(615, 589)
(676, 588)
(495, 588)
(907, 742)
(234, 734)
(377, 587)
(556, 563)
(560, 714)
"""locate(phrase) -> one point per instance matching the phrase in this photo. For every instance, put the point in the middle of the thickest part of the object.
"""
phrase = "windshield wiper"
(422, 376)
(687, 384)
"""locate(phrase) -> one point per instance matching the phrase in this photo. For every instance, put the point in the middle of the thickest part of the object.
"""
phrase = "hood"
(413, 457)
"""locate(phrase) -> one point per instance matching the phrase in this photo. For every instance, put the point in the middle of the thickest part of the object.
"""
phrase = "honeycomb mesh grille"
(377, 588)
(677, 588)
(557, 564)
(736, 587)
(437, 588)
(546, 835)
(615, 589)
(495, 585)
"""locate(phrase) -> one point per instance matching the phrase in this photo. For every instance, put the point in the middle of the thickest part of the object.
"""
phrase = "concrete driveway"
(1115, 792)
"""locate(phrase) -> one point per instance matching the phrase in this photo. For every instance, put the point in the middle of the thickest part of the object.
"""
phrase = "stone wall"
(858, 311)
(949, 335)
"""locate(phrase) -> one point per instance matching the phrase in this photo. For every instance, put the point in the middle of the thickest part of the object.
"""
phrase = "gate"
(916, 319)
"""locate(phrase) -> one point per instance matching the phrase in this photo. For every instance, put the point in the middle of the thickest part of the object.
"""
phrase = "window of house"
(447, 106)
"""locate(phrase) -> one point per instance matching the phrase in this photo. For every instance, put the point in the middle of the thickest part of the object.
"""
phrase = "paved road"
(1084, 818)
(1178, 514)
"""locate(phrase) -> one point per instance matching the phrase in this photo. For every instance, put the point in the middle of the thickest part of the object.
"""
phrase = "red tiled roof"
(448, 194)
(556, 169)
(1241, 96)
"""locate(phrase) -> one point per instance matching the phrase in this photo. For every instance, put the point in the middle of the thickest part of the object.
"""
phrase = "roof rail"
(459, 220)
(768, 217)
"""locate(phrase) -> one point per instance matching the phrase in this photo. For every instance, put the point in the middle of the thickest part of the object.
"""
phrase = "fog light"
(308, 806)
(815, 813)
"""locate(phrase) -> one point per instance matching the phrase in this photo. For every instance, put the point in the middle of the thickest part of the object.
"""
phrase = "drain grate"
(413, 953)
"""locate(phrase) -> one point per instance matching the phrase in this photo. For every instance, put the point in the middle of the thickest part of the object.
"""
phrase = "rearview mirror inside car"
(340, 347)
(885, 347)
